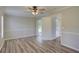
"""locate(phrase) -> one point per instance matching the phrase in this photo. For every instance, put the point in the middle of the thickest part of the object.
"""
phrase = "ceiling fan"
(36, 10)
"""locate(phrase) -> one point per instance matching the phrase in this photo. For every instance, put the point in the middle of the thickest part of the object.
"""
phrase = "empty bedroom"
(39, 29)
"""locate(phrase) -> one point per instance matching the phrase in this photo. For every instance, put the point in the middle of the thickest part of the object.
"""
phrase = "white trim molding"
(2, 27)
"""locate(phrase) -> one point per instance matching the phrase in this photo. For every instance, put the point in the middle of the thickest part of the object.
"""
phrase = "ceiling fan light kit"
(36, 10)
(34, 13)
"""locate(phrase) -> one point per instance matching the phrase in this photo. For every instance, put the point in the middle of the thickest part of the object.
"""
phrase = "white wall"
(70, 27)
(17, 27)
(70, 20)
(1, 40)
(1, 14)
(0, 22)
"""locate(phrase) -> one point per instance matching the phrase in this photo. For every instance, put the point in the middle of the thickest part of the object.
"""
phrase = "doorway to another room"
(39, 30)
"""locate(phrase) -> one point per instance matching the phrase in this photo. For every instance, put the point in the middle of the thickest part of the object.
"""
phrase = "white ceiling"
(22, 10)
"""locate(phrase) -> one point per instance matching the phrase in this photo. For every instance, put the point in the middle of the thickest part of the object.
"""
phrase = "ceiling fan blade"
(29, 8)
(41, 12)
(42, 9)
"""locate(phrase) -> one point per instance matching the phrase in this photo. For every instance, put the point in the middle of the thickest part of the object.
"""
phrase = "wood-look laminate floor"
(32, 45)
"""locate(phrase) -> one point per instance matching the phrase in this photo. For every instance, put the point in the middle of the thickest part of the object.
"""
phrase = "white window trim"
(2, 27)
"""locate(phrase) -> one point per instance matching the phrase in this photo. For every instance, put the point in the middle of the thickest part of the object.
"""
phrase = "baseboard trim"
(19, 37)
(71, 48)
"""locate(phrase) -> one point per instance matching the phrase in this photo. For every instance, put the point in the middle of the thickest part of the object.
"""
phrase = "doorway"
(58, 26)
(39, 30)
